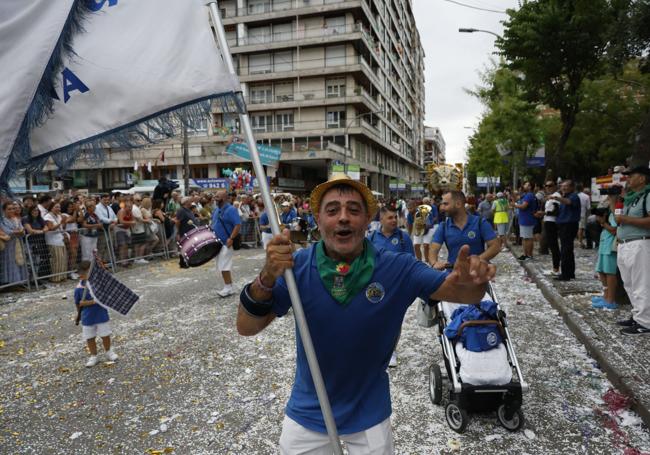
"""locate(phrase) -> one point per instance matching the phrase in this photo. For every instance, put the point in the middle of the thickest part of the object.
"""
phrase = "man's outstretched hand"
(471, 270)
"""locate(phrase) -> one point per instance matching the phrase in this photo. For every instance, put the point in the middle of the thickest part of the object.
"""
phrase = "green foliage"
(509, 121)
(556, 45)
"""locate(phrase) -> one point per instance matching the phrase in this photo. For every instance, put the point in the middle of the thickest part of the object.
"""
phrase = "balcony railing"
(300, 34)
(276, 5)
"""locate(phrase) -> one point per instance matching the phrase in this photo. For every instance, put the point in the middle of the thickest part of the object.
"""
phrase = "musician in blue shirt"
(388, 236)
(225, 224)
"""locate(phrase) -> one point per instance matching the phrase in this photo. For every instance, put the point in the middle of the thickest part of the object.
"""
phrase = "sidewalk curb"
(613, 374)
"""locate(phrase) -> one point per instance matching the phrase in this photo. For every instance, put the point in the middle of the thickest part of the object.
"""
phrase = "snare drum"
(199, 245)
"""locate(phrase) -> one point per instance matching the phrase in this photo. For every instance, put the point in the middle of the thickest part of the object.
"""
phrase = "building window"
(259, 35)
(284, 121)
(335, 87)
(259, 63)
(282, 32)
(335, 118)
(283, 91)
(334, 25)
(262, 123)
(259, 6)
(199, 172)
(283, 61)
(335, 56)
(261, 94)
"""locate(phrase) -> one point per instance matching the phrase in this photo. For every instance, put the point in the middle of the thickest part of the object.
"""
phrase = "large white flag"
(30, 35)
(136, 60)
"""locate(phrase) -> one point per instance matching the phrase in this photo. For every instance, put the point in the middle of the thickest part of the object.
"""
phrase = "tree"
(556, 45)
(509, 121)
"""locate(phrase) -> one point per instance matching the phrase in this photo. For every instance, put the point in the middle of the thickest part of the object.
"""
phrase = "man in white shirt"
(585, 205)
(105, 212)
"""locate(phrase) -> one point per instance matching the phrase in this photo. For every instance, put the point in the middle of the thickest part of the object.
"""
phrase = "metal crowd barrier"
(250, 232)
(14, 269)
(129, 247)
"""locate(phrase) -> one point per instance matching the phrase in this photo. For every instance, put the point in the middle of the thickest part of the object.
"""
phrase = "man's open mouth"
(343, 233)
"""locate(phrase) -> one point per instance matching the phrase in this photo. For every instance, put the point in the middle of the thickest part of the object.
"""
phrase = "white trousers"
(266, 238)
(298, 440)
(633, 260)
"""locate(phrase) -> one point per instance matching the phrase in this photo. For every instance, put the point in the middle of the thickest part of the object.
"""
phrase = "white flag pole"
(275, 228)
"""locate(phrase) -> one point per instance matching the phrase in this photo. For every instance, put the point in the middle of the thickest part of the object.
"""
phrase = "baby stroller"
(478, 381)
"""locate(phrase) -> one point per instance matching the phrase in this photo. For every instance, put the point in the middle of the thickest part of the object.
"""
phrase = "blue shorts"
(606, 264)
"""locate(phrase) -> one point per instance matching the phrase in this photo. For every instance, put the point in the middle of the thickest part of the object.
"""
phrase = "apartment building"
(434, 146)
(327, 81)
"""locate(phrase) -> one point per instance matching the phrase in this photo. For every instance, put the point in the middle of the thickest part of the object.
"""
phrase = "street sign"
(268, 155)
(213, 183)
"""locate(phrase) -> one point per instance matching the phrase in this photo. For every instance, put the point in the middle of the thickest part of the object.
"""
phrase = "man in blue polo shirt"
(461, 228)
(225, 224)
(527, 206)
(568, 220)
(389, 237)
(354, 299)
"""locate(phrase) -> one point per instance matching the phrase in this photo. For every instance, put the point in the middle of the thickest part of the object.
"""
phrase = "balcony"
(286, 8)
(305, 37)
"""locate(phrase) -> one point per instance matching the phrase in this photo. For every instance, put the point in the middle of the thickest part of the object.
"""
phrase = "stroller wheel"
(512, 424)
(457, 417)
(435, 384)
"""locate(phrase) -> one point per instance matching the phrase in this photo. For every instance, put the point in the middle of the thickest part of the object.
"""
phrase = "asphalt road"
(187, 383)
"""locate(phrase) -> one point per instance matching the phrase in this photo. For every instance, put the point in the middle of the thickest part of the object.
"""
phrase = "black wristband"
(253, 307)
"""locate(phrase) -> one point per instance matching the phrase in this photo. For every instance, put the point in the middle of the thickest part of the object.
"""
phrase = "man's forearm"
(434, 250)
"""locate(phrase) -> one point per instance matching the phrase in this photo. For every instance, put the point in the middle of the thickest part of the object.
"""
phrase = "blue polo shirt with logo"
(398, 242)
(569, 213)
(353, 343)
(475, 233)
(526, 216)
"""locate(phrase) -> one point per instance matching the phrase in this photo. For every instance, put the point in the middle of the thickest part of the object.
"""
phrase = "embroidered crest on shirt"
(471, 234)
(394, 241)
(375, 292)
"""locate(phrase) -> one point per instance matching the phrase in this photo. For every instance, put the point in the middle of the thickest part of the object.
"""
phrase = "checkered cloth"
(109, 292)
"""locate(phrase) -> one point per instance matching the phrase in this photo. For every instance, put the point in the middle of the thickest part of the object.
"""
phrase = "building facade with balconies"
(326, 81)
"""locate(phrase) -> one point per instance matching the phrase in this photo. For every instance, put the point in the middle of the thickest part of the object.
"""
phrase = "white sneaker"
(110, 355)
(393, 360)
(74, 276)
(225, 292)
(92, 361)
(141, 261)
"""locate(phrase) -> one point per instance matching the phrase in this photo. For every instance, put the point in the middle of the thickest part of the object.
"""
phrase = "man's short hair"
(44, 198)
(105, 195)
(457, 196)
(387, 209)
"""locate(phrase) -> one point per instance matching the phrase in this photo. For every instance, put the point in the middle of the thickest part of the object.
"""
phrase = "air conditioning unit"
(57, 185)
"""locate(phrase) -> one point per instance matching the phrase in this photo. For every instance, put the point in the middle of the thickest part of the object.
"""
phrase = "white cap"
(286, 204)
(499, 194)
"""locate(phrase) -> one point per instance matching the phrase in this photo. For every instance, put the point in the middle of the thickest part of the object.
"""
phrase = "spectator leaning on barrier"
(91, 229)
(226, 224)
(54, 238)
(70, 212)
(44, 204)
(585, 204)
(567, 221)
(105, 211)
(36, 228)
(634, 249)
(138, 231)
(12, 258)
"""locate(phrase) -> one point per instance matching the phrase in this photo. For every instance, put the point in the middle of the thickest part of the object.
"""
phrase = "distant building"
(434, 146)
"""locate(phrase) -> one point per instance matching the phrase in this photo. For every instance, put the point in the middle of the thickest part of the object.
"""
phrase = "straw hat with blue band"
(320, 190)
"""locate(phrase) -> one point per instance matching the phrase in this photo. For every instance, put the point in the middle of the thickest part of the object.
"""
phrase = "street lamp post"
(474, 30)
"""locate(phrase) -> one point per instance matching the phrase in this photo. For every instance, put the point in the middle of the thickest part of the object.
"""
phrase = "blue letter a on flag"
(70, 83)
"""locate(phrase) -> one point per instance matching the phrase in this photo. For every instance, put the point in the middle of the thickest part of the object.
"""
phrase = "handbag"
(424, 314)
(236, 241)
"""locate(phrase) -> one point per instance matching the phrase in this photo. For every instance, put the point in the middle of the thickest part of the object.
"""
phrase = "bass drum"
(199, 246)
(298, 230)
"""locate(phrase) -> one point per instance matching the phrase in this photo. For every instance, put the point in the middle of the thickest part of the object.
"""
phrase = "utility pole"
(186, 162)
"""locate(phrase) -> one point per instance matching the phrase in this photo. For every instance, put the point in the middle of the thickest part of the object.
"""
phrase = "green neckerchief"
(631, 196)
(342, 280)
